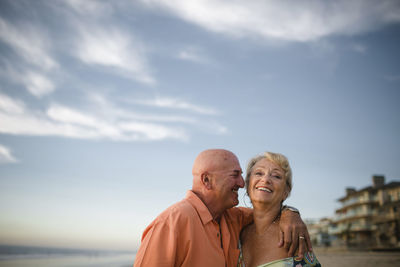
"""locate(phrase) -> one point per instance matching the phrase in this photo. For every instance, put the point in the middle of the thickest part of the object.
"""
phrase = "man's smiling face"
(227, 181)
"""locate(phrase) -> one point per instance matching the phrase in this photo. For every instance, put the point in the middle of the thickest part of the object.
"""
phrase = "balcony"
(362, 227)
(354, 215)
(387, 217)
(356, 202)
(352, 227)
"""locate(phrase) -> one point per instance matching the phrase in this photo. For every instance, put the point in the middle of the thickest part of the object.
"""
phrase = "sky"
(104, 106)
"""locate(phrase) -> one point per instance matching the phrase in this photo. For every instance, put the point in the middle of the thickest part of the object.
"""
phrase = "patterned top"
(309, 260)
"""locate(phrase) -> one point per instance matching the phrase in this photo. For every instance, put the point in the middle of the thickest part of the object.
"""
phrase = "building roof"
(393, 184)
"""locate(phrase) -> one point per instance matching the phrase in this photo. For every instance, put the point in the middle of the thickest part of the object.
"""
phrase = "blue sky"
(104, 106)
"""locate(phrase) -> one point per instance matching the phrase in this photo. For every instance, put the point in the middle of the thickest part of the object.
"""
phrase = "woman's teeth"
(264, 189)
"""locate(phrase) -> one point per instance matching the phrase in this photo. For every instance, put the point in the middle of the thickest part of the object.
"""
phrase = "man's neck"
(216, 213)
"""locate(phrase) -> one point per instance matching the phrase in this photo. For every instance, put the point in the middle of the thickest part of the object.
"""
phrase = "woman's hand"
(293, 234)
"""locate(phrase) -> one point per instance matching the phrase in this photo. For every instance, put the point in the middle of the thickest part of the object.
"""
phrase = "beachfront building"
(370, 217)
(320, 232)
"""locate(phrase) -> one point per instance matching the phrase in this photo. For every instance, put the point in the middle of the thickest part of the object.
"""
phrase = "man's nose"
(241, 182)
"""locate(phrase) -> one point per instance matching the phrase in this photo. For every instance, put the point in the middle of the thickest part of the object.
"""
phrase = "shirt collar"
(200, 207)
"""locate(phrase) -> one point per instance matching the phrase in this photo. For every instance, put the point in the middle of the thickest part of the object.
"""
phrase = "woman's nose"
(266, 178)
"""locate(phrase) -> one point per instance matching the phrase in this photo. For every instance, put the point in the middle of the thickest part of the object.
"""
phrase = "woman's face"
(267, 183)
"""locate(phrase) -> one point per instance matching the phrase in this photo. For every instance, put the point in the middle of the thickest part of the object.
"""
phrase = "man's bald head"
(212, 160)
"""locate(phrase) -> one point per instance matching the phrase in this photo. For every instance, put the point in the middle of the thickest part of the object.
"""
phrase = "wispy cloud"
(207, 125)
(9, 105)
(193, 54)
(38, 84)
(112, 48)
(175, 103)
(29, 43)
(284, 20)
(95, 8)
(110, 110)
(6, 156)
(96, 38)
(152, 131)
(97, 43)
(34, 62)
(60, 120)
(35, 81)
(103, 120)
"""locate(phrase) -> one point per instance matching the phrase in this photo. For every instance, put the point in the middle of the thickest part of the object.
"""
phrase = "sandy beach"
(329, 258)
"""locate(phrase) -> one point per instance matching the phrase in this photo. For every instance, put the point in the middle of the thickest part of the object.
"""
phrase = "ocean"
(22, 256)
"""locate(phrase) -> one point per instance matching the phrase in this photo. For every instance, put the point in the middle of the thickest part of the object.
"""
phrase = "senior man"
(203, 229)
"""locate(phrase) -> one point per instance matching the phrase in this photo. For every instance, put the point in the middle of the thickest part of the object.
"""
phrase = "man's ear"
(205, 180)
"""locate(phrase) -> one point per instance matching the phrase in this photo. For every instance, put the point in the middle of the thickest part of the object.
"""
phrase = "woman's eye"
(277, 177)
(258, 173)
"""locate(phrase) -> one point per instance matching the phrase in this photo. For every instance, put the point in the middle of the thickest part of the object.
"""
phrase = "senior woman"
(268, 184)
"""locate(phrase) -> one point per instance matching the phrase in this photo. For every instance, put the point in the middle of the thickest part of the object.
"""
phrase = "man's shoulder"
(239, 214)
(179, 211)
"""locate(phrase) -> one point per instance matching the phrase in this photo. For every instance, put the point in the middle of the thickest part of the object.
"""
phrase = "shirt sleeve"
(158, 246)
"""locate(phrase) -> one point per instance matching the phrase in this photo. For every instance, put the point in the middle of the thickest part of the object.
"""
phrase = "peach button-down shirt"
(186, 235)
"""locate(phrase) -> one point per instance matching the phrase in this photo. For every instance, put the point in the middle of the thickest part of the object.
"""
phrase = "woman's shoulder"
(245, 234)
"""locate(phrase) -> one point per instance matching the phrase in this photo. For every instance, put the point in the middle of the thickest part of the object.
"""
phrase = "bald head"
(212, 160)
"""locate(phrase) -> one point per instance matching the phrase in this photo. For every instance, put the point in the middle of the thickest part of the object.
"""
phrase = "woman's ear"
(285, 194)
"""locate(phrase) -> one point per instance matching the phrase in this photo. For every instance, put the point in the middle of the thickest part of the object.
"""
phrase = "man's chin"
(235, 202)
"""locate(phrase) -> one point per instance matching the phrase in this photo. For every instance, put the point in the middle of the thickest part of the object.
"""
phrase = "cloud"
(68, 115)
(38, 84)
(11, 106)
(101, 121)
(166, 104)
(60, 120)
(107, 109)
(96, 44)
(16, 118)
(152, 131)
(112, 48)
(96, 8)
(32, 70)
(284, 20)
(29, 43)
(175, 103)
(193, 54)
(90, 33)
(6, 156)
